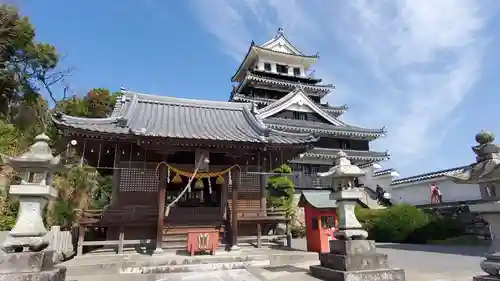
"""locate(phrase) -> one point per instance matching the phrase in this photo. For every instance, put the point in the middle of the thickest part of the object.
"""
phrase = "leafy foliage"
(406, 223)
(28, 68)
(97, 103)
(396, 223)
(280, 189)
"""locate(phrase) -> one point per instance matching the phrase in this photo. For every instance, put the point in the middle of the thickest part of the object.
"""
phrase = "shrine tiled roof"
(162, 116)
(429, 176)
(319, 199)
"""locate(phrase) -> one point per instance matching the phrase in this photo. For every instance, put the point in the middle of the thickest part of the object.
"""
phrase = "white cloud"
(407, 63)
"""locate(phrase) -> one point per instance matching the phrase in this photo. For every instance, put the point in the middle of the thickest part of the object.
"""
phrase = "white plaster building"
(415, 190)
(375, 175)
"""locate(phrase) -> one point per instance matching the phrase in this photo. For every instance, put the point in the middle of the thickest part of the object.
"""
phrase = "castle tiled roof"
(428, 176)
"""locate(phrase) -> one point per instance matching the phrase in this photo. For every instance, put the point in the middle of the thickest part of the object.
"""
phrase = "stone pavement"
(421, 263)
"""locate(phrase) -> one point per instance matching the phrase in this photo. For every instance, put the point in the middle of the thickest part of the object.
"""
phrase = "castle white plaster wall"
(370, 181)
(418, 193)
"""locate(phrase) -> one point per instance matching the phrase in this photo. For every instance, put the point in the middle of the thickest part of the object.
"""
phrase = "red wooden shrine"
(321, 219)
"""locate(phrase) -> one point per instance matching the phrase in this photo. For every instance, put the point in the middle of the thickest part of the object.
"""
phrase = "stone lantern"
(36, 167)
(486, 173)
(343, 175)
(351, 256)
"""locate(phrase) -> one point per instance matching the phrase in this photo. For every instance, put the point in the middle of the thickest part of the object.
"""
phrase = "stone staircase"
(370, 199)
(135, 264)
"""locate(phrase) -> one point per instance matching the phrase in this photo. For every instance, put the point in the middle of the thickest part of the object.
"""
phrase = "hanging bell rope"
(191, 176)
(201, 175)
(188, 185)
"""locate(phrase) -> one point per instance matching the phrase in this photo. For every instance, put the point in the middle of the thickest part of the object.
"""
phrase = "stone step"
(377, 274)
(175, 237)
(354, 262)
(168, 263)
(159, 269)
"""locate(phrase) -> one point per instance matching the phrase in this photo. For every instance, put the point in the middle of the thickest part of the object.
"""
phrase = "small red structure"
(321, 219)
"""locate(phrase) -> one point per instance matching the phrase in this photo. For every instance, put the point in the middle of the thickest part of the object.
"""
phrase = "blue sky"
(423, 68)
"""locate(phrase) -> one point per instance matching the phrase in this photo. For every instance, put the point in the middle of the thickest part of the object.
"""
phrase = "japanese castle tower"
(277, 78)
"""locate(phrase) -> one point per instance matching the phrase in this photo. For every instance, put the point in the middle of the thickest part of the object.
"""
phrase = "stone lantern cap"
(37, 157)
(487, 165)
(343, 168)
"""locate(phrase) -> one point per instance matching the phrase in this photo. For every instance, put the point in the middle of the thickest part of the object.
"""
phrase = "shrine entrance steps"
(133, 264)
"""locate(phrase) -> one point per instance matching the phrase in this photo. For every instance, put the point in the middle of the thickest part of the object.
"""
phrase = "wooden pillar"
(81, 235)
(116, 176)
(223, 200)
(161, 208)
(234, 209)
(259, 235)
(263, 181)
(121, 238)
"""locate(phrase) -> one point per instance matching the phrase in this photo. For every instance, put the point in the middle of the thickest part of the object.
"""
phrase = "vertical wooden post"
(234, 209)
(116, 176)
(121, 237)
(262, 170)
(223, 202)
(288, 231)
(161, 208)
(259, 236)
(81, 235)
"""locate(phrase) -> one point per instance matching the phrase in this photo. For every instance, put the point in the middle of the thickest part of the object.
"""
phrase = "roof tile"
(171, 117)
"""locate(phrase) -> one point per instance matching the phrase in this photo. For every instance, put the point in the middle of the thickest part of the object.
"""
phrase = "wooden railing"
(128, 216)
(261, 214)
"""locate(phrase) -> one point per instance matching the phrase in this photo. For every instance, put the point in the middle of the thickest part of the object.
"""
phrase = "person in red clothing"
(436, 196)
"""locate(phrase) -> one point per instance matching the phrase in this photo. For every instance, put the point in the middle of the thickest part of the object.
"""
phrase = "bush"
(437, 229)
(366, 217)
(396, 223)
(298, 231)
(405, 223)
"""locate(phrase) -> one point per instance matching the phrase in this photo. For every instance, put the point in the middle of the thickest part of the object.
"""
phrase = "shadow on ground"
(474, 251)
(285, 268)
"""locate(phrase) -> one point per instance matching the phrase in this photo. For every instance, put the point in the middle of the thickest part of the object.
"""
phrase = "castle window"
(299, 115)
(296, 71)
(281, 68)
(267, 66)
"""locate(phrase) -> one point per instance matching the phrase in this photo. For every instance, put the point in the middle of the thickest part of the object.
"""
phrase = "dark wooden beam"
(234, 208)
(161, 207)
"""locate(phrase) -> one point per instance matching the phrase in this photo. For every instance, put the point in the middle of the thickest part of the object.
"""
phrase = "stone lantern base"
(32, 266)
(355, 260)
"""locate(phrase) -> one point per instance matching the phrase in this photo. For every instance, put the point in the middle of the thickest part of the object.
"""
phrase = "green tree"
(28, 68)
(98, 103)
(280, 189)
